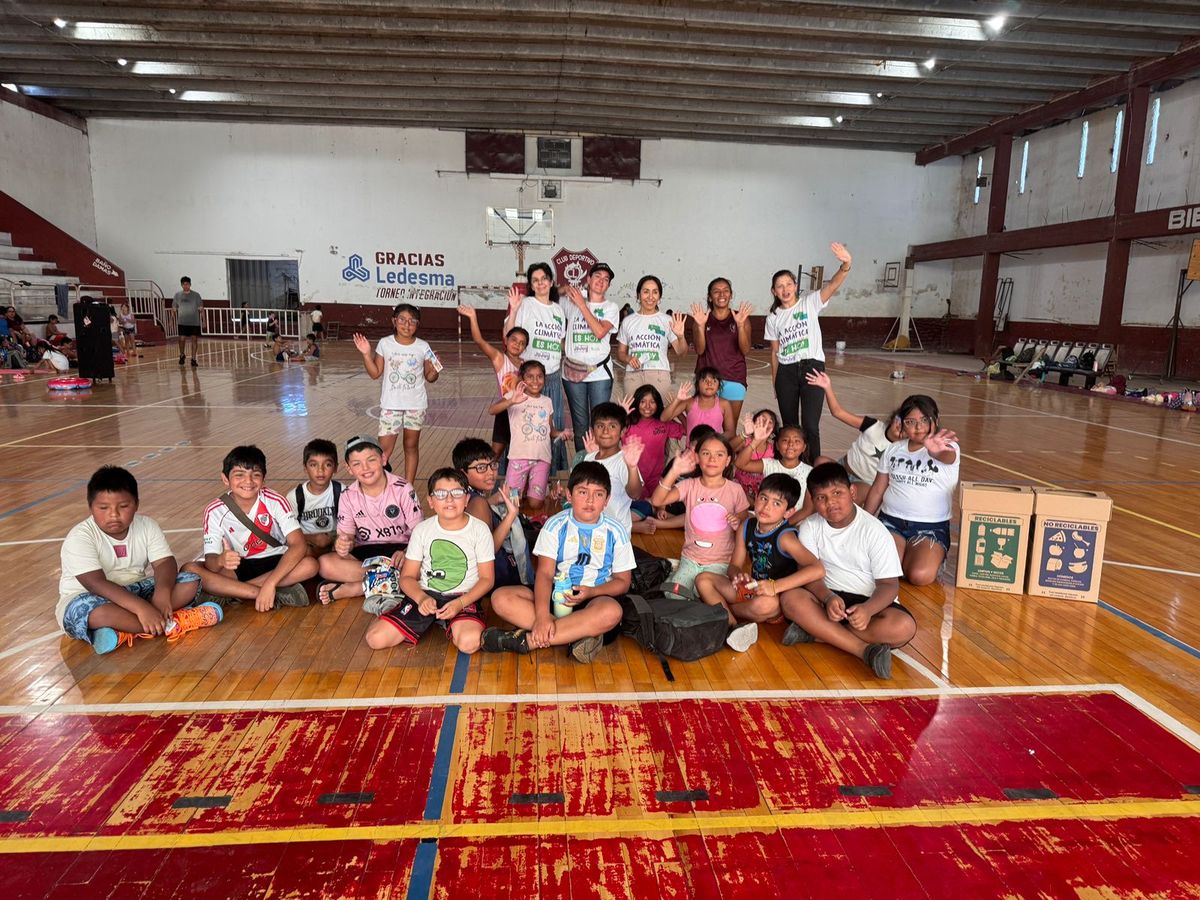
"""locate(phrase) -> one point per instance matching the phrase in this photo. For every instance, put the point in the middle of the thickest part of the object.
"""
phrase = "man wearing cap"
(187, 312)
(586, 368)
(376, 516)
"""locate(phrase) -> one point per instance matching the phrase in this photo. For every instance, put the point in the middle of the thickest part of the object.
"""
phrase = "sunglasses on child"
(443, 494)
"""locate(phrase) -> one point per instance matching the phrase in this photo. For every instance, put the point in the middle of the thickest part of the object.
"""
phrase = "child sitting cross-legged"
(768, 564)
(855, 606)
(584, 559)
(447, 570)
(253, 546)
(317, 497)
(105, 596)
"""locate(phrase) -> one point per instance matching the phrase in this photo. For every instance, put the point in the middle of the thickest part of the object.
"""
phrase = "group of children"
(768, 532)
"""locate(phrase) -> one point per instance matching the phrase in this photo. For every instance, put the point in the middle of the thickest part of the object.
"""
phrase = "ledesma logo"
(355, 270)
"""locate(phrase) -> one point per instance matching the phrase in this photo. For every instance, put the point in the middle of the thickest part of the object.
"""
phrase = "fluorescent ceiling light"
(899, 68)
(839, 119)
(60, 23)
(805, 121)
(161, 68)
(112, 31)
(211, 96)
(8, 85)
(122, 61)
(930, 63)
(879, 95)
(996, 22)
(171, 90)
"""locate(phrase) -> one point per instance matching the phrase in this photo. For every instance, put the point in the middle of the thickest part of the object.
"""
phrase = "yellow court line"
(612, 826)
(1128, 512)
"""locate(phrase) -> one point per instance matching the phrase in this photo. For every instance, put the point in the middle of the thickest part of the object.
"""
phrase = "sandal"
(325, 591)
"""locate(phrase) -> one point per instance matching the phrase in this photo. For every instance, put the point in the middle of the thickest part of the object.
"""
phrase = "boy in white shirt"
(105, 596)
(316, 499)
(855, 607)
(253, 546)
(405, 363)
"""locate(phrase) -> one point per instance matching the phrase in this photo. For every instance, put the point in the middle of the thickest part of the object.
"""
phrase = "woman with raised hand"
(644, 338)
(794, 334)
(722, 338)
(541, 315)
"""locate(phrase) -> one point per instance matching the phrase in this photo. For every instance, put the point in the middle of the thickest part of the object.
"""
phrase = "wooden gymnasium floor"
(1024, 747)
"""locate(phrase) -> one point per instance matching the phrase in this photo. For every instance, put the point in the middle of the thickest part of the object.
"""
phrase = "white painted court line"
(922, 669)
(553, 699)
(1165, 719)
(12, 651)
(1125, 565)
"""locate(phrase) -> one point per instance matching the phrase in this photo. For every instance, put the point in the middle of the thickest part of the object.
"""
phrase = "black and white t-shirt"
(920, 488)
(317, 512)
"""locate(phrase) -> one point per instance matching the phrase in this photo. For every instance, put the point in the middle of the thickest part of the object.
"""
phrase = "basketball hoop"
(520, 228)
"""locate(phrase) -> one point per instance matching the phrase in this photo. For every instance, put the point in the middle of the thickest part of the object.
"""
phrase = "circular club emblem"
(574, 272)
(322, 521)
(392, 511)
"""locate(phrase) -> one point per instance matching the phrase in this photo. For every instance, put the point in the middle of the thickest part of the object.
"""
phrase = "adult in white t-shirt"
(539, 312)
(794, 334)
(914, 490)
(590, 322)
(644, 338)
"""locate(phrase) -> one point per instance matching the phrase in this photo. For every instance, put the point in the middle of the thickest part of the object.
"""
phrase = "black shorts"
(318, 328)
(409, 621)
(253, 566)
(366, 551)
(855, 599)
(501, 430)
(189, 331)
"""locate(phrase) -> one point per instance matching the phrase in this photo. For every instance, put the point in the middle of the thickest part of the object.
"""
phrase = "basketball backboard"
(508, 225)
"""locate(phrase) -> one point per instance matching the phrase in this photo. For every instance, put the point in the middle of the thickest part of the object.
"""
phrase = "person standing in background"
(187, 310)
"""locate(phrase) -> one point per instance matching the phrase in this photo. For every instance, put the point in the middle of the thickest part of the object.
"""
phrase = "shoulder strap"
(337, 496)
(299, 500)
(254, 527)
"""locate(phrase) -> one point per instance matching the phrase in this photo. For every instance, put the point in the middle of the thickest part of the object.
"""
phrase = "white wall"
(1064, 285)
(178, 198)
(45, 165)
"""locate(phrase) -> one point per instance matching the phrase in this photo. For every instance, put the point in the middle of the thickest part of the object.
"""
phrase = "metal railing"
(244, 322)
(32, 301)
(144, 296)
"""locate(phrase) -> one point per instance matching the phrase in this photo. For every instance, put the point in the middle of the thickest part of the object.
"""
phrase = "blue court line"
(32, 503)
(420, 882)
(1147, 627)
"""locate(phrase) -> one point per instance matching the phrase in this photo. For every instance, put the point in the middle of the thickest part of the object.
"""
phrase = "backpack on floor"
(649, 573)
(667, 626)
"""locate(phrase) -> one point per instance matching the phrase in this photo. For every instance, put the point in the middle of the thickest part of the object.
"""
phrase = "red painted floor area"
(82, 775)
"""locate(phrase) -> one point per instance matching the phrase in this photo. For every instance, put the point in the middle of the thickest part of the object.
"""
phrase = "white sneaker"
(742, 637)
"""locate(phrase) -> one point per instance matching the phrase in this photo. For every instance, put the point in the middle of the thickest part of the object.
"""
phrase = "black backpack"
(668, 626)
(649, 573)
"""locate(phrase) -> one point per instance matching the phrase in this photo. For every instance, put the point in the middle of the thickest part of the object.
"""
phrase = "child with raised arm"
(768, 563)
(714, 506)
(532, 433)
(914, 490)
(855, 605)
(253, 546)
(506, 363)
(447, 571)
(644, 409)
(875, 436)
(408, 363)
(602, 444)
(491, 504)
(105, 596)
(788, 460)
(750, 480)
(703, 405)
(584, 559)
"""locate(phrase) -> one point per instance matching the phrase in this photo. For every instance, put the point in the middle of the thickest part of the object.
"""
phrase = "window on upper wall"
(978, 177)
(1024, 168)
(1152, 144)
(1116, 150)
(1082, 149)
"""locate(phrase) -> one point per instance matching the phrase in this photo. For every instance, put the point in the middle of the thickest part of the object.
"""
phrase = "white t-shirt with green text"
(546, 326)
(797, 330)
(648, 338)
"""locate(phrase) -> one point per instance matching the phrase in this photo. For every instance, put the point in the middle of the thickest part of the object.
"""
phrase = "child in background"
(54, 334)
(715, 505)
(749, 480)
(375, 519)
(644, 409)
(854, 606)
(127, 322)
(531, 426)
(768, 563)
(253, 546)
(284, 350)
(317, 498)
(602, 444)
(706, 407)
(862, 459)
(584, 559)
(914, 490)
(408, 363)
(448, 569)
(105, 596)
(788, 460)
(474, 458)
(507, 365)
(312, 350)
(54, 361)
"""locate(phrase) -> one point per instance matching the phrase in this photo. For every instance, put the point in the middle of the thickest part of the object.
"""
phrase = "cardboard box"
(1068, 543)
(993, 537)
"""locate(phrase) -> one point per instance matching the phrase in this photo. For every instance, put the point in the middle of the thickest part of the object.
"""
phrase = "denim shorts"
(75, 617)
(938, 532)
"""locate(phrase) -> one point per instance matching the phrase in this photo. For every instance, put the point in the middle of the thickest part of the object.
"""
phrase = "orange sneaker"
(190, 618)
